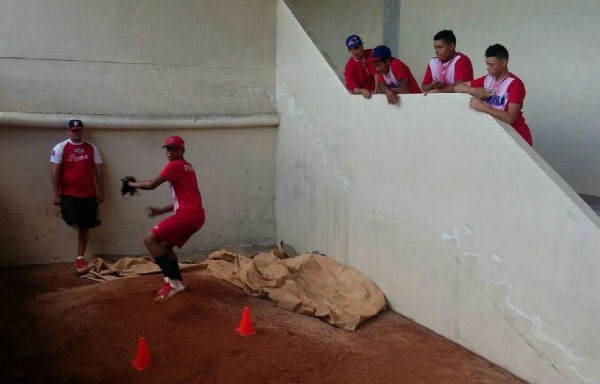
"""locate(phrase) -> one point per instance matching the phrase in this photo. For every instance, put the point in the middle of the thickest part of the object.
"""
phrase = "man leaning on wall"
(78, 185)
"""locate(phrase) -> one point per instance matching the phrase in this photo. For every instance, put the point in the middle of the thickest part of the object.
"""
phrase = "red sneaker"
(165, 292)
(169, 288)
(80, 263)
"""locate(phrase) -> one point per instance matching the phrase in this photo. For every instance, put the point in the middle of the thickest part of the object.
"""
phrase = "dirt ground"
(58, 328)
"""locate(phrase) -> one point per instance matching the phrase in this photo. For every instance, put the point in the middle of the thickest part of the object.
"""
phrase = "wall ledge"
(59, 120)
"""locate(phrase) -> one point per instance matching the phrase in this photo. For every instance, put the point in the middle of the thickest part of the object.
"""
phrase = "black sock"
(175, 269)
(165, 267)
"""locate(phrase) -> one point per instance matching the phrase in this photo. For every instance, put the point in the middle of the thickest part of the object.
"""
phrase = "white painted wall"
(462, 225)
(143, 57)
(552, 47)
(184, 60)
(235, 168)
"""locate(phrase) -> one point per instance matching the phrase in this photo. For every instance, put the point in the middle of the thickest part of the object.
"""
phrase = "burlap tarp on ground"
(309, 284)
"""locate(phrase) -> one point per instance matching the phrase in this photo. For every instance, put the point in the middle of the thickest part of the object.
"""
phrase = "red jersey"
(509, 90)
(398, 71)
(457, 69)
(77, 167)
(184, 186)
(360, 73)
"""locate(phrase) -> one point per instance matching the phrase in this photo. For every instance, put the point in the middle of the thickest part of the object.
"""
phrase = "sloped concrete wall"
(462, 225)
(561, 100)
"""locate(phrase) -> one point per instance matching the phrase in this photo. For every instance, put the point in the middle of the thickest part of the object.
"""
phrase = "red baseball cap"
(174, 141)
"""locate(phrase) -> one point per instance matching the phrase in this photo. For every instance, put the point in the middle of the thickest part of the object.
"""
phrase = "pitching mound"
(58, 328)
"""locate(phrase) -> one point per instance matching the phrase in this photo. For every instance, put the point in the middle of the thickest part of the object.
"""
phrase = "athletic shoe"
(169, 289)
(80, 263)
(177, 285)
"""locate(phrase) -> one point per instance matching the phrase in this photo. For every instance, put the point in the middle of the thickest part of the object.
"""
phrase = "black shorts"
(82, 212)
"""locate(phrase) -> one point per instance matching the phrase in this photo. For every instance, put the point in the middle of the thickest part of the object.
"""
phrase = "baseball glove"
(126, 188)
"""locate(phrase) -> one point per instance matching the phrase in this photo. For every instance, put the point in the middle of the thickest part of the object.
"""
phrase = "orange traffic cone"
(142, 359)
(245, 328)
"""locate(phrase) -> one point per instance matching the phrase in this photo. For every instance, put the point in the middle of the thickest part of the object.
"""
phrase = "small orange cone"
(245, 328)
(142, 359)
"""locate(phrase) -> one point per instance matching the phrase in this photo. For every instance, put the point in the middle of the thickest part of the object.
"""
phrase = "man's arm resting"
(509, 117)
(430, 87)
(466, 87)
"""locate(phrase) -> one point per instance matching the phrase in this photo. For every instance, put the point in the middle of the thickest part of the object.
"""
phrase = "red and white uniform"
(398, 71)
(77, 167)
(183, 185)
(187, 204)
(509, 90)
(360, 73)
(457, 69)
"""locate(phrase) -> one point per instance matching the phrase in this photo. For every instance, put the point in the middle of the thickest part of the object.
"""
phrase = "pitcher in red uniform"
(78, 185)
(187, 217)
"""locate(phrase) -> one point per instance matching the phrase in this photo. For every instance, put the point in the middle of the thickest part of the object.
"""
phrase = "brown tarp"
(310, 284)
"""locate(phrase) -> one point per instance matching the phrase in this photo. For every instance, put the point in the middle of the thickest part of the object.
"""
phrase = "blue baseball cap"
(380, 52)
(353, 41)
(75, 124)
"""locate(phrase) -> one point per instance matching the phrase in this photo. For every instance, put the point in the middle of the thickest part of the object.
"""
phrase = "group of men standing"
(499, 93)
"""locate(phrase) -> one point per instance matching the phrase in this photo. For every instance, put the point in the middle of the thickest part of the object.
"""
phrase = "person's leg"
(86, 218)
(173, 231)
(174, 264)
(160, 250)
(83, 235)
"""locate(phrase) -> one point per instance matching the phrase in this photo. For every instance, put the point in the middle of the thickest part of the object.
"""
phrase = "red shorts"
(177, 229)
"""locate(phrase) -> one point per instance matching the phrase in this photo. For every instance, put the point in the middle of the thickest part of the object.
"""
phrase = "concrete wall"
(552, 49)
(146, 57)
(462, 225)
(235, 168)
(137, 71)
(330, 23)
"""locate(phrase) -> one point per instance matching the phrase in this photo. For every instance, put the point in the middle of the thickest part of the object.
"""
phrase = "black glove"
(126, 188)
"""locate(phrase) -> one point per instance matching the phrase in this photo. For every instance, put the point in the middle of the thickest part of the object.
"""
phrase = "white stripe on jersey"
(443, 72)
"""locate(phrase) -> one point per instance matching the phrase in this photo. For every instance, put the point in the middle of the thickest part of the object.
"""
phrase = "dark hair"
(447, 35)
(498, 51)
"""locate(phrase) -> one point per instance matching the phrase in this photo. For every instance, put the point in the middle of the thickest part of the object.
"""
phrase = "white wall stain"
(451, 236)
(586, 380)
(291, 107)
(496, 258)
(536, 331)
(468, 229)
(345, 182)
(472, 255)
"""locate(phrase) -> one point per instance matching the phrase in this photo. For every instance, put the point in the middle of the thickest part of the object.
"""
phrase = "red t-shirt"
(77, 167)
(360, 74)
(506, 91)
(398, 71)
(184, 186)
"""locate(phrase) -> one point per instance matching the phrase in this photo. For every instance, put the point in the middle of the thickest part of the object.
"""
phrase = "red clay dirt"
(59, 328)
